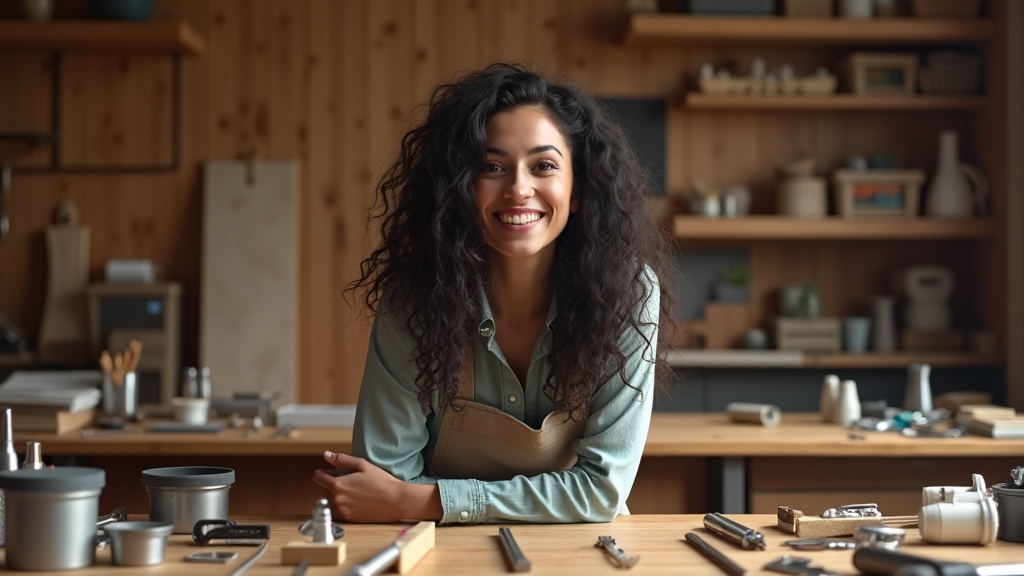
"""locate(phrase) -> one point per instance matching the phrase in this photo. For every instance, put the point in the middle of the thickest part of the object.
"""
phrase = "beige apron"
(484, 443)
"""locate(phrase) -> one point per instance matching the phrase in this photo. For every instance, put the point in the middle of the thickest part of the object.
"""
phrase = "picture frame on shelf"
(877, 193)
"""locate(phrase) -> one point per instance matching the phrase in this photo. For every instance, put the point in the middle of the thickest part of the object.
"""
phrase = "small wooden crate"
(877, 193)
(945, 8)
(810, 335)
(869, 73)
(807, 8)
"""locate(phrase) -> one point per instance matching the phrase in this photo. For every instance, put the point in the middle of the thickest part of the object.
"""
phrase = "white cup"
(191, 410)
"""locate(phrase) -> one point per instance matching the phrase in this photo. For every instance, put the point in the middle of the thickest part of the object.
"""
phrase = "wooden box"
(808, 335)
(877, 193)
(807, 8)
(869, 73)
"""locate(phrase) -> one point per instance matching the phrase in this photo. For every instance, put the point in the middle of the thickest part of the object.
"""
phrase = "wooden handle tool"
(118, 369)
(410, 547)
(135, 349)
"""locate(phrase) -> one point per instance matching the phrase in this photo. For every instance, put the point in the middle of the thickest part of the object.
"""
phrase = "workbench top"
(562, 550)
(671, 434)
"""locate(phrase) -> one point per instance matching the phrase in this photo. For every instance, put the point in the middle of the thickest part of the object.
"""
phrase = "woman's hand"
(369, 494)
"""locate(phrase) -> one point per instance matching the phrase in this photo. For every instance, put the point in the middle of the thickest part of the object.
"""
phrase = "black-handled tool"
(889, 563)
(206, 531)
(738, 534)
(717, 558)
(517, 561)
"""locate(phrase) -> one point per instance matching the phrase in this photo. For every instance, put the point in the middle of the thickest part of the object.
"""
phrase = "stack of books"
(54, 402)
(992, 421)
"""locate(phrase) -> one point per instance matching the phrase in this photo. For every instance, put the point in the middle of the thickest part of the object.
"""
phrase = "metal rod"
(517, 561)
(738, 534)
(252, 560)
(716, 557)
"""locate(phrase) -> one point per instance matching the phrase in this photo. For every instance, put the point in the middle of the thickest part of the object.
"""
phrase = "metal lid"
(63, 479)
(187, 477)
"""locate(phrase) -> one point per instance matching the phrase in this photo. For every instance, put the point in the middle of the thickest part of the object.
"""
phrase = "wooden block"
(332, 554)
(413, 545)
(795, 522)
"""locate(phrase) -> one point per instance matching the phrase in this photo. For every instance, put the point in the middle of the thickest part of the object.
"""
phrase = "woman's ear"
(574, 203)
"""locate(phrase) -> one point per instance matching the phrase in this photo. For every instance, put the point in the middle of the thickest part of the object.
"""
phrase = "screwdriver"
(889, 563)
(738, 534)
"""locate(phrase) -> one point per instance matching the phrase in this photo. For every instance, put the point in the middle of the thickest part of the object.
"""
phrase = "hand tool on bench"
(622, 559)
(796, 522)
(889, 562)
(514, 557)
(738, 534)
(717, 558)
(252, 560)
(794, 565)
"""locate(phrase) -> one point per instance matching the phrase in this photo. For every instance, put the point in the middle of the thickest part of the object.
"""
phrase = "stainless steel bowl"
(138, 543)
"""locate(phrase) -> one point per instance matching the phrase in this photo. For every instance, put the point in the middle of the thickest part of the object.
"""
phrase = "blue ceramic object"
(133, 10)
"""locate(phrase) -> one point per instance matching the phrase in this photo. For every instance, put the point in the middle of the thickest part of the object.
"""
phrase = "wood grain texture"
(558, 550)
(334, 84)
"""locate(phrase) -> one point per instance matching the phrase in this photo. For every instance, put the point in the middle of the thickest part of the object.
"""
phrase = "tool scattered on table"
(232, 534)
(717, 558)
(514, 557)
(409, 548)
(738, 534)
(794, 565)
(620, 558)
(324, 548)
(805, 544)
(252, 560)
(300, 568)
(118, 515)
(889, 562)
(257, 425)
(844, 523)
(867, 535)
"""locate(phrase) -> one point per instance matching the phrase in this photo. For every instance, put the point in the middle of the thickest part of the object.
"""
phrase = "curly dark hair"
(433, 264)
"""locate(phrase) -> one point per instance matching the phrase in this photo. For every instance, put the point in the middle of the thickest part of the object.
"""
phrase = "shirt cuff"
(462, 501)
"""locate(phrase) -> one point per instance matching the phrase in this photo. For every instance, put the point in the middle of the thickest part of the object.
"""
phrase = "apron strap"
(467, 382)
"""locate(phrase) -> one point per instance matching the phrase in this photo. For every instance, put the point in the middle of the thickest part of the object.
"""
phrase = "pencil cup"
(120, 400)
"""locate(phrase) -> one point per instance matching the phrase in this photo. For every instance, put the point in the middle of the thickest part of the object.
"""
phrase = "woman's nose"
(520, 187)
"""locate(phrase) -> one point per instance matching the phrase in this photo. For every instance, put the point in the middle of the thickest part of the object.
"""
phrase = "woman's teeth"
(519, 218)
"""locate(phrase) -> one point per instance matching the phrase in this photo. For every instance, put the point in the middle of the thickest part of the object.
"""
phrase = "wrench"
(621, 558)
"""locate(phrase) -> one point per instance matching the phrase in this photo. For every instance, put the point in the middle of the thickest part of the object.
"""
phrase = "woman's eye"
(491, 167)
(546, 165)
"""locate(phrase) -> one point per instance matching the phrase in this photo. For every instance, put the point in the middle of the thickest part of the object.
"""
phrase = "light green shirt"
(392, 432)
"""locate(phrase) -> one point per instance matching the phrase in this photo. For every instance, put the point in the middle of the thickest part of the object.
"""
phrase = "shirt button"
(512, 398)
(486, 331)
(463, 516)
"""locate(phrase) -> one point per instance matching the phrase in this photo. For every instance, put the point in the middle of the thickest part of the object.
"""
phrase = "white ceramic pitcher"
(956, 188)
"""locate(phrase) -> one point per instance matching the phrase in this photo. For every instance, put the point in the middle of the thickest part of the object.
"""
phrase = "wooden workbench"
(562, 550)
(687, 455)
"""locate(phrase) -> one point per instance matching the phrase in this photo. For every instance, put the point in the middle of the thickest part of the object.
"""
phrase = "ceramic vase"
(847, 410)
(883, 328)
(829, 397)
(949, 194)
(919, 390)
(37, 10)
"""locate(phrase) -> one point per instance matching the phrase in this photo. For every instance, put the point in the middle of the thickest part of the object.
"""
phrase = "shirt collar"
(486, 326)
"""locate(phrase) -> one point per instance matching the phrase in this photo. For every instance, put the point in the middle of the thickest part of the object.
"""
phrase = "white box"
(316, 415)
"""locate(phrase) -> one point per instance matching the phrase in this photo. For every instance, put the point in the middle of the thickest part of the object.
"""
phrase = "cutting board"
(64, 332)
(249, 292)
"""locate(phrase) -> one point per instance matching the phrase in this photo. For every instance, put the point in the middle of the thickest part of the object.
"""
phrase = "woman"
(511, 362)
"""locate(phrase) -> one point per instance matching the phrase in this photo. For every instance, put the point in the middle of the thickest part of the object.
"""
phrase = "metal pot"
(138, 543)
(184, 495)
(51, 517)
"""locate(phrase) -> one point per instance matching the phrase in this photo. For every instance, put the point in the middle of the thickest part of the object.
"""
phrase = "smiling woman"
(511, 367)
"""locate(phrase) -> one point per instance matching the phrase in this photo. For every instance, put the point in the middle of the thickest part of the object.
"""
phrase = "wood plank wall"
(334, 84)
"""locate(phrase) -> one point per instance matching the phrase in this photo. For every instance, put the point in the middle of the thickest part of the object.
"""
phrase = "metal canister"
(183, 495)
(51, 517)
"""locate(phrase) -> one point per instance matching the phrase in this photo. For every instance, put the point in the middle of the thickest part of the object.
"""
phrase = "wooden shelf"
(831, 228)
(644, 29)
(701, 101)
(795, 359)
(102, 36)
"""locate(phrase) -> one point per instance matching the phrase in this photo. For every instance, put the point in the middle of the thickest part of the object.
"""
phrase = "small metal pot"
(1010, 500)
(186, 494)
(51, 517)
(138, 543)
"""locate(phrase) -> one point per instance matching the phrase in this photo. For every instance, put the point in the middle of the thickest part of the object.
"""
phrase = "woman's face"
(524, 188)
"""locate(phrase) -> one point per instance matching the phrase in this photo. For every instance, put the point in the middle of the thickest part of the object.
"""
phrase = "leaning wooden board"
(249, 299)
(64, 333)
